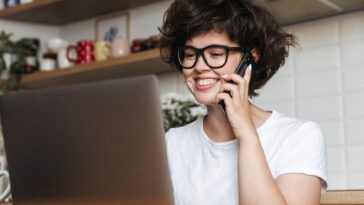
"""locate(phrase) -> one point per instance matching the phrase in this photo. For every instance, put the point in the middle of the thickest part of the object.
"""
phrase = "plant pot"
(9, 58)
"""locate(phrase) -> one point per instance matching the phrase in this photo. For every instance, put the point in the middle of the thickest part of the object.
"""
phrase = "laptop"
(94, 143)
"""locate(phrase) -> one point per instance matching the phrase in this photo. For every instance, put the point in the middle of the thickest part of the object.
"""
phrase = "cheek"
(187, 73)
(232, 64)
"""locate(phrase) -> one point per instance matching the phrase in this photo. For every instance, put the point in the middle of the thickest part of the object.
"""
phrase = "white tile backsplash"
(318, 33)
(355, 132)
(356, 180)
(337, 181)
(336, 159)
(353, 78)
(318, 59)
(318, 84)
(352, 53)
(287, 69)
(323, 108)
(354, 105)
(334, 133)
(277, 89)
(356, 159)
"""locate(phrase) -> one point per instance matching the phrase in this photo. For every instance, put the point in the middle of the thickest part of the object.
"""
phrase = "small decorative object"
(102, 50)
(85, 52)
(136, 45)
(48, 62)
(120, 47)
(111, 26)
(54, 45)
(179, 110)
(145, 44)
(111, 34)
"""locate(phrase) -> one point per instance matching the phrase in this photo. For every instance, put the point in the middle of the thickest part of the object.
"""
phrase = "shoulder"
(303, 151)
(304, 131)
(289, 134)
(295, 128)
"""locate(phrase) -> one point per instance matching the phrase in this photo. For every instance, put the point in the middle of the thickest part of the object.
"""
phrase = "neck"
(217, 126)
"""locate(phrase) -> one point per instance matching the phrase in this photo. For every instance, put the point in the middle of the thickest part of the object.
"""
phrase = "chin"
(205, 99)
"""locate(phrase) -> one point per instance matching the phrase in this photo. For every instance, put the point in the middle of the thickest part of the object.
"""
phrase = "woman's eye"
(190, 55)
(216, 54)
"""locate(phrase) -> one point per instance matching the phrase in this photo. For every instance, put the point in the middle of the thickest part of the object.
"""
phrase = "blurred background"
(321, 81)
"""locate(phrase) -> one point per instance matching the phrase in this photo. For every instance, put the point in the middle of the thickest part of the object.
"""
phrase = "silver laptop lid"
(98, 142)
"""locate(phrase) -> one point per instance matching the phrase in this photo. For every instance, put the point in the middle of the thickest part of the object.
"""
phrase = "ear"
(255, 54)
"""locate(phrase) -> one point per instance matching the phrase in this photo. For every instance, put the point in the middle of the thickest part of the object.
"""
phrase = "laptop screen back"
(91, 142)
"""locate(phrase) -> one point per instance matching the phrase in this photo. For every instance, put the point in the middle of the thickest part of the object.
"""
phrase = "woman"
(245, 154)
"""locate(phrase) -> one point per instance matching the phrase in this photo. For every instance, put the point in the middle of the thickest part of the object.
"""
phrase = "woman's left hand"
(237, 103)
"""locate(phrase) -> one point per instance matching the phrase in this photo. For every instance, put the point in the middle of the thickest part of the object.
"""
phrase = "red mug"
(84, 50)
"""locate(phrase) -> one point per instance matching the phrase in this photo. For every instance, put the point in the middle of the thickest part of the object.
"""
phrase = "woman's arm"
(256, 183)
(257, 186)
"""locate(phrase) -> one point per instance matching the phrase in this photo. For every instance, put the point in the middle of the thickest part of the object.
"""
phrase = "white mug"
(62, 59)
(6, 192)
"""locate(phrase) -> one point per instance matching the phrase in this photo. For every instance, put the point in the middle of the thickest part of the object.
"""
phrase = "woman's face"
(205, 82)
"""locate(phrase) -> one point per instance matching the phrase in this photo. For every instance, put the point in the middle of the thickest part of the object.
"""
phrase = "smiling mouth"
(206, 83)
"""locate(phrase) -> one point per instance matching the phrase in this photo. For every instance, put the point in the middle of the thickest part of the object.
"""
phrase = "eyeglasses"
(215, 56)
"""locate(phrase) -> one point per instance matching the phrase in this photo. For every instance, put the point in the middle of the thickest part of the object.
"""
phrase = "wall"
(144, 22)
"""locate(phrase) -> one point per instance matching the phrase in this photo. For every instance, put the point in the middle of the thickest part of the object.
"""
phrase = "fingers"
(226, 98)
(242, 82)
(233, 91)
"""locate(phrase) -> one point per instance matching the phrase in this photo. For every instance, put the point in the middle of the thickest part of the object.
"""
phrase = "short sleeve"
(305, 152)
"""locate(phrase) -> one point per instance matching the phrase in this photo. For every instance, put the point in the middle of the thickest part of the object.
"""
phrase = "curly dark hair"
(246, 23)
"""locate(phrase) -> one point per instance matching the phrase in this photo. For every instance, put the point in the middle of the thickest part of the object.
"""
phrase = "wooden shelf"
(147, 62)
(60, 12)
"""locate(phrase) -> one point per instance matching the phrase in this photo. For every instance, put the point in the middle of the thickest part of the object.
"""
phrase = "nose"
(201, 64)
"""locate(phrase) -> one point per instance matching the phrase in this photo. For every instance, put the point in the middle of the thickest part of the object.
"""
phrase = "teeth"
(206, 81)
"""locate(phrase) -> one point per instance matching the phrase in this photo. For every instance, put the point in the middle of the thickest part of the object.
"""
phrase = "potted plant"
(12, 60)
(179, 110)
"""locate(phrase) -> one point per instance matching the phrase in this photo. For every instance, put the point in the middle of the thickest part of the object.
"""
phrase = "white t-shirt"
(204, 172)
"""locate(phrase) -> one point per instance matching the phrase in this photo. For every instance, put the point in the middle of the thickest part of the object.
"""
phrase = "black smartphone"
(244, 63)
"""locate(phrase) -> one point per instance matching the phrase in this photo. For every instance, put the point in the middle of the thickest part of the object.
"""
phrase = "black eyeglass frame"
(200, 52)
